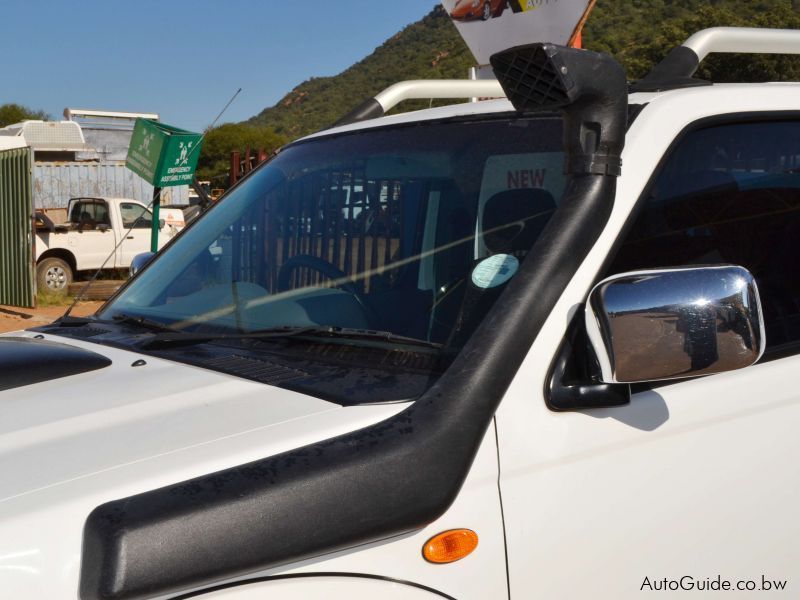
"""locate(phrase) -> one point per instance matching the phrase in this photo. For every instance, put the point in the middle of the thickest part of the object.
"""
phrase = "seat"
(514, 219)
(102, 217)
(676, 225)
(86, 222)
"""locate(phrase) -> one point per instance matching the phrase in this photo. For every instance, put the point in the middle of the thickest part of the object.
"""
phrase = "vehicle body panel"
(158, 432)
(683, 481)
(140, 428)
(479, 576)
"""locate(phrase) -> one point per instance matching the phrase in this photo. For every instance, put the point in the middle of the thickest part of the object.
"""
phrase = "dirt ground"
(14, 319)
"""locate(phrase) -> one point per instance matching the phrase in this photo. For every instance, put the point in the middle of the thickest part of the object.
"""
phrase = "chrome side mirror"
(674, 323)
(139, 261)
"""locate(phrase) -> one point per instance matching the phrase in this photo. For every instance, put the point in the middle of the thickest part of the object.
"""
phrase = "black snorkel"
(401, 474)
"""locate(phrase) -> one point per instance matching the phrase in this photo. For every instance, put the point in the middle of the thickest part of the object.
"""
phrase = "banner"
(489, 26)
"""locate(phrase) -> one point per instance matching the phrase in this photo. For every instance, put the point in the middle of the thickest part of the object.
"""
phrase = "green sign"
(163, 155)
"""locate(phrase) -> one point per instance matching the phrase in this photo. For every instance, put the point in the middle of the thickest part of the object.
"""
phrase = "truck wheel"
(53, 275)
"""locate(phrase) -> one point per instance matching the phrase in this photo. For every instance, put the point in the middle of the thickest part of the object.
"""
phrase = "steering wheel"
(331, 272)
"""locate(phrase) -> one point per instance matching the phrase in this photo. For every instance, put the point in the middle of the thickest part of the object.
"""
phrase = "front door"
(694, 485)
(91, 236)
(137, 224)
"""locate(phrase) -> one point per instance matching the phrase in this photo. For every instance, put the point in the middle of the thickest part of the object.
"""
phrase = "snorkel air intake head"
(589, 88)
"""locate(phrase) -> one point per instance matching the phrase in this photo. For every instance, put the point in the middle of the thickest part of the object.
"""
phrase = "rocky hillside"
(637, 32)
(428, 49)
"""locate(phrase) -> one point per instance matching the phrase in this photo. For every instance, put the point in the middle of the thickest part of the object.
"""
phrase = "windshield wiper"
(121, 318)
(350, 333)
(181, 337)
(140, 322)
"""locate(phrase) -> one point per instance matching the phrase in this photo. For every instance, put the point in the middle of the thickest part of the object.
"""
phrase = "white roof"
(69, 113)
(11, 142)
(48, 135)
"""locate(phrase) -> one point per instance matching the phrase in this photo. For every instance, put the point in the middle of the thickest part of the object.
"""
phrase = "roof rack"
(679, 66)
(746, 40)
(421, 89)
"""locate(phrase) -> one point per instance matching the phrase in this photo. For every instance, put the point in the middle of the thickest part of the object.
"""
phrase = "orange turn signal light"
(450, 546)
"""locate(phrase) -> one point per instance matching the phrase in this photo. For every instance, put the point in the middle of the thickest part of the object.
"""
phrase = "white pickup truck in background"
(90, 239)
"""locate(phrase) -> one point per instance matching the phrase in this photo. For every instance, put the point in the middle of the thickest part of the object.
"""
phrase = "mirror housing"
(674, 323)
(139, 261)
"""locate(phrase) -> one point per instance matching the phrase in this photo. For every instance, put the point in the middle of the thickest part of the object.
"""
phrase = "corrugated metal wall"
(16, 212)
(54, 183)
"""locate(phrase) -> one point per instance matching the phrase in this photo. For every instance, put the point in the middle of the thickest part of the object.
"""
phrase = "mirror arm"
(563, 395)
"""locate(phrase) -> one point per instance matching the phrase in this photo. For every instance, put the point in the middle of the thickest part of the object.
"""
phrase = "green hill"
(637, 32)
(428, 49)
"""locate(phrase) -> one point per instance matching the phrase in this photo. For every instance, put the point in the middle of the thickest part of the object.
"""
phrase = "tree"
(219, 142)
(639, 33)
(14, 113)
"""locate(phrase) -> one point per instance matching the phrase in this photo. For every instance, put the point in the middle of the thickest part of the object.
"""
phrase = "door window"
(729, 194)
(135, 216)
(88, 214)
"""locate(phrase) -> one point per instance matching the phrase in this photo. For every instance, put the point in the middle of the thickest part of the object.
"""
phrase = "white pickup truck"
(540, 347)
(100, 233)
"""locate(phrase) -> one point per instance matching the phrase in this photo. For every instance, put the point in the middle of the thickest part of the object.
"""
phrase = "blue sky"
(184, 58)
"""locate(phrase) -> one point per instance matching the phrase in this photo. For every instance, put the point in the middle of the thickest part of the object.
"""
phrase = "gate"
(17, 270)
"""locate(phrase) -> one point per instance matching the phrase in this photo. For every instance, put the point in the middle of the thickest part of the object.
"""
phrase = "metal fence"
(350, 221)
(16, 228)
(54, 183)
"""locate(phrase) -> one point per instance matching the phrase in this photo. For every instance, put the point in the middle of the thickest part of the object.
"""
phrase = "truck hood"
(128, 408)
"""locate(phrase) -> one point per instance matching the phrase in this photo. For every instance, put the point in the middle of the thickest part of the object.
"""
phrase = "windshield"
(413, 230)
